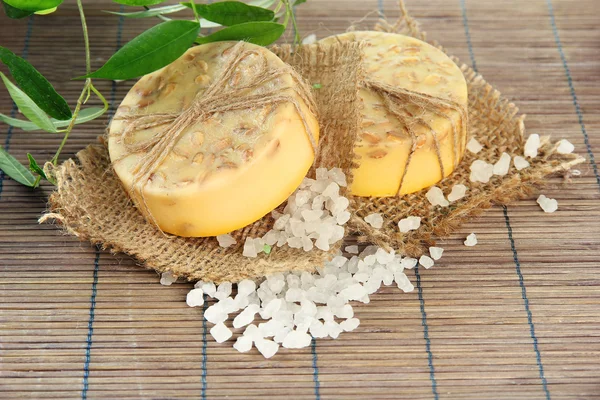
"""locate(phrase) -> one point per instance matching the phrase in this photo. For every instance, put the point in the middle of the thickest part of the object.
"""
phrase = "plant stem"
(195, 11)
(290, 14)
(86, 87)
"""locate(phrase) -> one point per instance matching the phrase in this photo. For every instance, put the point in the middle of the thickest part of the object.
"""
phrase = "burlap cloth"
(90, 203)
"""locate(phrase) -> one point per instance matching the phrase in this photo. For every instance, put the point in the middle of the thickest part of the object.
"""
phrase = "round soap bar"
(226, 168)
(392, 160)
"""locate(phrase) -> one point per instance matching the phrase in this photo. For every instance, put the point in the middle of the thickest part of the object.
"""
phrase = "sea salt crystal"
(547, 204)
(502, 165)
(226, 240)
(565, 147)
(311, 215)
(520, 163)
(375, 220)
(243, 344)
(532, 145)
(317, 329)
(426, 261)
(249, 248)
(224, 290)
(266, 347)
(259, 245)
(339, 205)
(271, 328)
(436, 252)
(253, 332)
(471, 240)
(436, 197)
(333, 329)
(338, 176)
(352, 249)
(575, 172)
(481, 171)
(280, 336)
(350, 324)
(403, 282)
(474, 146)
(322, 243)
(310, 39)
(295, 242)
(167, 278)
(228, 305)
(220, 332)
(409, 262)
(296, 340)
(344, 312)
(246, 316)
(332, 190)
(343, 217)
(302, 197)
(195, 298)
(372, 284)
(409, 224)
(281, 222)
(270, 308)
(245, 287)
(354, 292)
(207, 287)
(457, 193)
(384, 257)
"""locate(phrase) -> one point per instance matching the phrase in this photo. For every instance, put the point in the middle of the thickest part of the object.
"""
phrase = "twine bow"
(219, 97)
(397, 101)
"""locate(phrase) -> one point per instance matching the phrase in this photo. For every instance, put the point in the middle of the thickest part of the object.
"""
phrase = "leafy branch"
(45, 109)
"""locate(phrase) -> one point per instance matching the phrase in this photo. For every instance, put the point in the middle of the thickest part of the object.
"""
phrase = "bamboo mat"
(516, 317)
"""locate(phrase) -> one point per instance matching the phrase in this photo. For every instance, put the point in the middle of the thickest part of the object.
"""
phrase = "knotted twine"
(220, 97)
(397, 101)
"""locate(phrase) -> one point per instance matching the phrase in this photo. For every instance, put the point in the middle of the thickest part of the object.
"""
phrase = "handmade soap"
(214, 141)
(414, 115)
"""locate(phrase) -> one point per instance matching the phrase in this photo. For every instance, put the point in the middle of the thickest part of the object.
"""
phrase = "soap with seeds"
(224, 169)
(402, 155)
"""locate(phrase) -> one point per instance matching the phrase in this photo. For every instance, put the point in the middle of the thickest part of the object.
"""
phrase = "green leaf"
(15, 170)
(33, 5)
(28, 106)
(298, 2)
(152, 50)
(85, 115)
(260, 33)
(232, 12)
(35, 85)
(46, 12)
(139, 2)
(153, 12)
(15, 13)
(34, 167)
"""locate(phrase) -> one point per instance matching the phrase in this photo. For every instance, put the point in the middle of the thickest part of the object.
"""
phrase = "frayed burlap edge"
(91, 204)
(496, 124)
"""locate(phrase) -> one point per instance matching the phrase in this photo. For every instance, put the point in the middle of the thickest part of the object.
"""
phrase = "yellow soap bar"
(386, 144)
(226, 169)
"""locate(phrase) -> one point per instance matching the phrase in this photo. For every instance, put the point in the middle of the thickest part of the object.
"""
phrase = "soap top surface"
(209, 150)
(408, 63)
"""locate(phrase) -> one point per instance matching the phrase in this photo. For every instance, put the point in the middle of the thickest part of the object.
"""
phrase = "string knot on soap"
(409, 107)
(221, 96)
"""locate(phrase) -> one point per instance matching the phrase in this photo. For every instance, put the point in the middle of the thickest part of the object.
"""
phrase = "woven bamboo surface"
(517, 316)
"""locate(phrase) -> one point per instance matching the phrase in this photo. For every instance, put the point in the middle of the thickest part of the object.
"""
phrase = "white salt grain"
(426, 261)
(436, 252)
(296, 340)
(243, 344)
(532, 145)
(167, 278)
(375, 220)
(246, 287)
(520, 163)
(226, 240)
(220, 332)
(481, 171)
(409, 224)
(338, 176)
(267, 348)
(565, 147)
(317, 329)
(246, 316)
(249, 248)
(474, 146)
(352, 249)
(436, 197)
(471, 240)
(457, 193)
(575, 172)
(547, 204)
(333, 329)
(343, 217)
(408, 263)
(207, 287)
(502, 165)
(350, 324)
(224, 290)
(195, 298)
